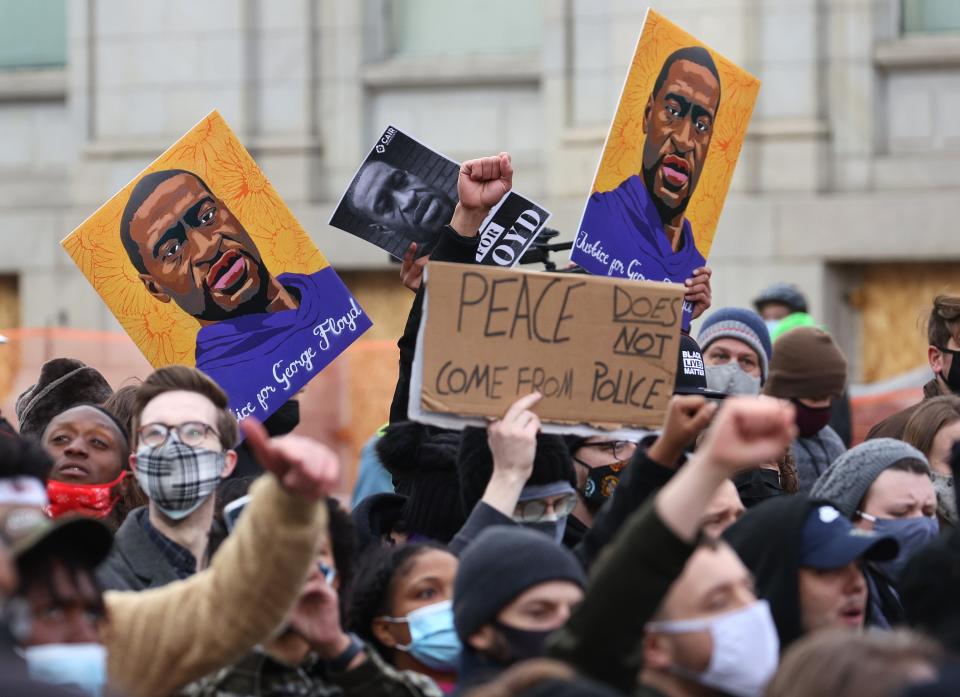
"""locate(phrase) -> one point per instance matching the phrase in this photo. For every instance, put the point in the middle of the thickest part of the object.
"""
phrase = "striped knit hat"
(742, 325)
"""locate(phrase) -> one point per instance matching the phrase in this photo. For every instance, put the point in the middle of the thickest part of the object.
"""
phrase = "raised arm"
(631, 579)
(481, 183)
(159, 640)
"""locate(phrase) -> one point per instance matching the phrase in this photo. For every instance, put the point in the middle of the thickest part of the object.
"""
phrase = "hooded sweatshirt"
(767, 539)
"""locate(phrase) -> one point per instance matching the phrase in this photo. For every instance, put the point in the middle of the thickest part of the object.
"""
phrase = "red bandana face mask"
(92, 500)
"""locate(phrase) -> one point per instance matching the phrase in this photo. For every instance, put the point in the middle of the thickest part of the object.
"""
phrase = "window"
(464, 27)
(33, 34)
(925, 16)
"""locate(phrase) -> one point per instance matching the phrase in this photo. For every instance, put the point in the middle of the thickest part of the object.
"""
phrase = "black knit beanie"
(500, 564)
(422, 461)
(552, 463)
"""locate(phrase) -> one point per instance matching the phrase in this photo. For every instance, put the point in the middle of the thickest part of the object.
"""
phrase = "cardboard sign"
(602, 351)
(405, 192)
(667, 161)
(203, 264)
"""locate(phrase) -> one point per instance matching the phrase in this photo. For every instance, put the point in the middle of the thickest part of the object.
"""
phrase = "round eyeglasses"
(534, 510)
(190, 433)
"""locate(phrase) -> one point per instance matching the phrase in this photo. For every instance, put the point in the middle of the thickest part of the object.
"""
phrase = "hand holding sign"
(698, 292)
(411, 269)
(304, 467)
(482, 183)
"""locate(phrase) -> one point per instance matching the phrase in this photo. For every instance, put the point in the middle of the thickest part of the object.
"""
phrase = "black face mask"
(952, 378)
(757, 485)
(601, 482)
(523, 644)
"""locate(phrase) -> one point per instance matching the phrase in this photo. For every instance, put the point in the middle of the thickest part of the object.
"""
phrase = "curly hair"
(377, 574)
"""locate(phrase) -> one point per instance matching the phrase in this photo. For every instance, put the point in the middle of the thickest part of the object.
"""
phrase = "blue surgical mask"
(433, 638)
(553, 525)
(913, 534)
(771, 326)
(81, 665)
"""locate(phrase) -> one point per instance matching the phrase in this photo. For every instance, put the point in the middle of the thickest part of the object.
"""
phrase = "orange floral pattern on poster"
(162, 331)
(623, 151)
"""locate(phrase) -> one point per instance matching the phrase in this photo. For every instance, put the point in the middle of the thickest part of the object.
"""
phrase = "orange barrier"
(341, 407)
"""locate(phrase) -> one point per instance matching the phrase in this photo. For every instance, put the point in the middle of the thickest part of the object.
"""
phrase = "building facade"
(848, 184)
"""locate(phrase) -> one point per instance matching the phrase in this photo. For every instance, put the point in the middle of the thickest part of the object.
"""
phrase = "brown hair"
(789, 480)
(932, 415)
(944, 322)
(120, 404)
(173, 378)
(841, 663)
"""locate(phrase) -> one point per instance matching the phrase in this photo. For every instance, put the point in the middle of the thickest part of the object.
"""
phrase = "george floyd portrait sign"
(667, 161)
(405, 192)
(600, 346)
(203, 264)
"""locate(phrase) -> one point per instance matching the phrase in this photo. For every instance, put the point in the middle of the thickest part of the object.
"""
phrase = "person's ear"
(132, 459)
(657, 651)
(154, 288)
(484, 639)
(647, 110)
(935, 358)
(229, 463)
(381, 632)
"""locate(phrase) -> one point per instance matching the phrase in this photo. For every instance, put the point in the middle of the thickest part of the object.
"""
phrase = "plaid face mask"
(178, 478)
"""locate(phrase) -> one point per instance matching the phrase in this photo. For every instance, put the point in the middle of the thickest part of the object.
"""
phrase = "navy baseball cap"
(829, 541)
(691, 374)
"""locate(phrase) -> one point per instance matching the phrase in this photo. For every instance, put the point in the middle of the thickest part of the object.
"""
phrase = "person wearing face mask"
(156, 642)
(943, 349)
(599, 463)
(511, 474)
(686, 601)
(884, 485)
(736, 351)
(312, 654)
(933, 429)
(807, 560)
(778, 301)
(401, 607)
(808, 369)
(183, 447)
(89, 477)
(514, 587)
(54, 612)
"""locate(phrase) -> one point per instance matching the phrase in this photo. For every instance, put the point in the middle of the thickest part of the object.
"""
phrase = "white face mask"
(730, 379)
(746, 649)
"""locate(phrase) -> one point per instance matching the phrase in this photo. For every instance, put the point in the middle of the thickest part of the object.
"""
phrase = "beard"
(665, 212)
(212, 312)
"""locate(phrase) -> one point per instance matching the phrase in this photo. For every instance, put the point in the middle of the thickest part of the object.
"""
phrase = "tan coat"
(159, 640)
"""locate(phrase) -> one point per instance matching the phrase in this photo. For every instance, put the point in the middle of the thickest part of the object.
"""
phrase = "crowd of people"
(150, 545)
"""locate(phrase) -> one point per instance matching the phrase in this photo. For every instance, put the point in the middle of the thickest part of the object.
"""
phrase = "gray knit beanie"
(848, 479)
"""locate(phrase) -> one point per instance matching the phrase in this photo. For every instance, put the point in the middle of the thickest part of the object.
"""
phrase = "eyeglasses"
(190, 433)
(618, 449)
(534, 510)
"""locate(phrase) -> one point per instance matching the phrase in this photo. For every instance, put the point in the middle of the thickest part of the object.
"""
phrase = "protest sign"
(405, 192)
(203, 264)
(606, 347)
(668, 160)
